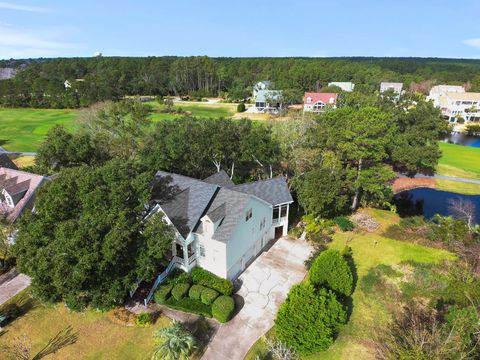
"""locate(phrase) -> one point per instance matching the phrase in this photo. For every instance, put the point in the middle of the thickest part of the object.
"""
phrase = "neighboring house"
(7, 73)
(439, 90)
(396, 87)
(318, 102)
(261, 85)
(221, 226)
(345, 86)
(17, 191)
(6, 162)
(460, 106)
(268, 101)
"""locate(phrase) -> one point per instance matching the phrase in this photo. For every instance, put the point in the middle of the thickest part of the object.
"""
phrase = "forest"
(40, 82)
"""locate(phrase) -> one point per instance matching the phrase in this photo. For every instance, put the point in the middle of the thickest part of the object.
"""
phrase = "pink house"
(318, 102)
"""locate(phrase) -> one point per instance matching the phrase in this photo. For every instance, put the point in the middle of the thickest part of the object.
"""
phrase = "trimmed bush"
(241, 107)
(344, 223)
(178, 276)
(195, 292)
(180, 290)
(330, 269)
(162, 293)
(222, 308)
(208, 296)
(144, 319)
(206, 278)
(190, 305)
(309, 320)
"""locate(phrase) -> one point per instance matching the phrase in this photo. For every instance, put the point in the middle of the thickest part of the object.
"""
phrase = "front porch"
(184, 255)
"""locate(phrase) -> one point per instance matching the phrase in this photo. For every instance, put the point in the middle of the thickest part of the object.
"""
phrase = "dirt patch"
(365, 222)
(402, 184)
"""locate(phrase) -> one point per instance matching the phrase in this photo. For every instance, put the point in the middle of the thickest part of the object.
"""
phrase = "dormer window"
(309, 100)
(248, 215)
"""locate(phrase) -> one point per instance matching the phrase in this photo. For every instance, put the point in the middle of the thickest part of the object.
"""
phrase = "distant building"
(268, 101)
(67, 84)
(396, 87)
(261, 85)
(439, 90)
(7, 73)
(17, 190)
(318, 102)
(345, 86)
(459, 107)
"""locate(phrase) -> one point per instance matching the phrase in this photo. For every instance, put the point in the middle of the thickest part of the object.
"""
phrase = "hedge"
(180, 290)
(190, 305)
(195, 292)
(163, 293)
(178, 276)
(208, 296)
(206, 278)
(222, 308)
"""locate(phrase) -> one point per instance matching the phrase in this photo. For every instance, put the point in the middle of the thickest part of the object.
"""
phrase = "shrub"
(222, 308)
(195, 292)
(180, 290)
(308, 320)
(144, 319)
(331, 269)
(344, 223)
(206, 278)
(208, 296)
(178, 276)
(241, 107)
(296, 231)
(122, 316)
(190, 305)
(163, 293)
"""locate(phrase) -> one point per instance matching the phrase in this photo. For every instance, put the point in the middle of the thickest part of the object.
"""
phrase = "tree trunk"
(357, 190)
(233, 167)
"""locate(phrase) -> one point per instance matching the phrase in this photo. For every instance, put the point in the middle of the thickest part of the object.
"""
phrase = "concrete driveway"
(264, 286)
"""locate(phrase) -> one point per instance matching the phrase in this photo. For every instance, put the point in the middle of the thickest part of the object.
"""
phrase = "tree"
(464, 209)
(86, 242)
(331, 269)
(309, 319)
(173, 343)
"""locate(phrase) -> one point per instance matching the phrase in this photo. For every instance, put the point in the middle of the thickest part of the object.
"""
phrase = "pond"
(463, 139)
(428, 202)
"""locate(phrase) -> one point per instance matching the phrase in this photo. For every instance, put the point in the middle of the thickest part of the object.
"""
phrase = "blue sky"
(50, 28)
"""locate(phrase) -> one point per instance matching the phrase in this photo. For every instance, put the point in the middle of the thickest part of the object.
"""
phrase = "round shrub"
(179, 291)
(222, 308)
(241, 107)
(309, 320)
(330, 269)
(208, 296)
(206, 278)
(162, 293)
(144, 319)
(195, 292)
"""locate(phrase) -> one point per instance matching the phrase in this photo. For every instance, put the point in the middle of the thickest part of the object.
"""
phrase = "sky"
(272, 28)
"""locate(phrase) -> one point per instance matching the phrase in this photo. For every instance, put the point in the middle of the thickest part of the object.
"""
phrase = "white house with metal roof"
(268, 101)
(261, 85)
(221, 226)
(344, 85)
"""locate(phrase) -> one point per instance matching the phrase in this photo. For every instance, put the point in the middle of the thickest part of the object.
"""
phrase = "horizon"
(34, 29)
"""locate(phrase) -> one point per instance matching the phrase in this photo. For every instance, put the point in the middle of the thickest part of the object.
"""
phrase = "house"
(439, 90)
(393, 86)
(268, 101)
(6, 162)
(221, 226)
(345, 86)
(460, 106)
(261, 85)
(318, 102)
(17, 191)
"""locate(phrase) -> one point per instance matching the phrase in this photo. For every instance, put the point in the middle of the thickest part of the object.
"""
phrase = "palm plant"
(173, 343)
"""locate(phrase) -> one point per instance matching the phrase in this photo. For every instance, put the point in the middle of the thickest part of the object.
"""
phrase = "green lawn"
(98, 336)
(459, 161)
(24, 129)
(457, 187)
(355, 338)
(213, 111)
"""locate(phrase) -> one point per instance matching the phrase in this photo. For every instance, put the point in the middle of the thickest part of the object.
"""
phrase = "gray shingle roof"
(267, 95)
(6, 162)
(274, 191)
(220, 178)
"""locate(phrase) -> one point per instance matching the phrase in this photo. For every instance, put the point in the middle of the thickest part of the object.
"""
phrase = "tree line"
(40, 83)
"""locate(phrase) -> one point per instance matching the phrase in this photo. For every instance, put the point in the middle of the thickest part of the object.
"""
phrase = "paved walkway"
(13, 285)
(264, 286)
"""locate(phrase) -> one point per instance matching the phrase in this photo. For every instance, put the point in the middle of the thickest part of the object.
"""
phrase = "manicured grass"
(24, 129)
(457, 187)
(370, 250)
(459, 161)
(213, 111)
(98, 336)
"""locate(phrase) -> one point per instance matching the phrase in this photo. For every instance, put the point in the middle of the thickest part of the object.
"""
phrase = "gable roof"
(20, 186)
(220, 178)
(274, 191)
(263, 95)
(326, 98)
(6, 162)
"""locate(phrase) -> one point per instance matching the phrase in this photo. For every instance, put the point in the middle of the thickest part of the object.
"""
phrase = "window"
(248, 215)
(276, 212)
(262, 224)
(202, 250)
(318, 106)
(309, 100)
(283, 211)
